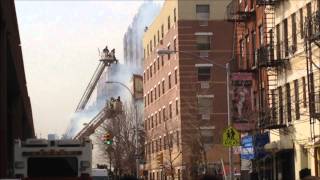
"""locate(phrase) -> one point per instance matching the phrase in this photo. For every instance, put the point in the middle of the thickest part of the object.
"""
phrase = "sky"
(60, 41)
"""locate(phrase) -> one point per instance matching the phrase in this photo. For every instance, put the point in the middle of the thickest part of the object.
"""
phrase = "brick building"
(185, 96)
(276, 43)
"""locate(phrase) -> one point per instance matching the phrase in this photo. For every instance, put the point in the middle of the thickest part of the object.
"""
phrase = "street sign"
(231, 137)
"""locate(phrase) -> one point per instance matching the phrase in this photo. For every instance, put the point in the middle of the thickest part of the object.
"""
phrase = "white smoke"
(133, 56)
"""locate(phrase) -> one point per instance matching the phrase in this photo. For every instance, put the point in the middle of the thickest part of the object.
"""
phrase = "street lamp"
(136, 119)
(162, 52)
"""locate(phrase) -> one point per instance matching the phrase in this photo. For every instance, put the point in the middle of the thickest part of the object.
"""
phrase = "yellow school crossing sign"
(231, 137)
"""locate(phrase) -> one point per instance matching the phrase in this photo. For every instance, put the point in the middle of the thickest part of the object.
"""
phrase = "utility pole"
(229, 120)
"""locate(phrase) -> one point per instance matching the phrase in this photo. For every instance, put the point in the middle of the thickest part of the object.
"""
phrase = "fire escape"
(239, 14)
(271, 109)
(312, 37)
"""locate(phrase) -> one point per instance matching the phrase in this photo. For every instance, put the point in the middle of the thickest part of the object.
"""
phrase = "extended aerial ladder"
(106, 59)
(112, 109)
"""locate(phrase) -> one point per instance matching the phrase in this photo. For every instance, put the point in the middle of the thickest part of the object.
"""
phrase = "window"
(159, 113)
(175, 44)
(174, 15)
(169, 81)
(163, 89)
(148, 49)
(164, 142)
(144, 53)
(158, 36)
(169, 56)
(152, 121)
(150, 70)
(175, 76)
(280, 105)
(241, 43)
(162, 61)
(278, 48)
(204, 73)
(150, 45)
(253, 45)
(247, 51)
(301, 23)
(148, 74)
(203, 12)
(160, 144)
(162, 31)
(164, 114)
(170, 111)
(288, 102)
(159, 90)
(154, 67)
(155, 93)
(178, 139)
(261, 35)
(285, 36)
(151, 96)
(205, 105)
(297, 99)
(144, 77)
(154, 41)
(177, 107)
(145, 101)
(169, 23)
(156, 119)
(148, 98)
(203, 42)
(309, 14)
(294, 32)
(304, 91)
(158, 62)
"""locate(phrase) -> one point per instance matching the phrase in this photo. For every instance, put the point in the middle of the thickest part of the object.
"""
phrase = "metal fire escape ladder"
(312, 35)
(104, 61)
(271, 66)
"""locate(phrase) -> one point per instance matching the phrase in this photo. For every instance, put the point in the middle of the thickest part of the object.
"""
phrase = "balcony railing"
(266, 2)
(313, 26)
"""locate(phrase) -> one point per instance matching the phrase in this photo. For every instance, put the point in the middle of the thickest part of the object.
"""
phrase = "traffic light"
(107, 139)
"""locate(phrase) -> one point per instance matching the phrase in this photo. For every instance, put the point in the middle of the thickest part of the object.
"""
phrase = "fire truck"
(42, 159)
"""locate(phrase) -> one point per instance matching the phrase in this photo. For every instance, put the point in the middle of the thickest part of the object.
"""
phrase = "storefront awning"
(275, 146)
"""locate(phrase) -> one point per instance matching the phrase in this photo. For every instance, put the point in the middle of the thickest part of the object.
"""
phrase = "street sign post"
(231, 137)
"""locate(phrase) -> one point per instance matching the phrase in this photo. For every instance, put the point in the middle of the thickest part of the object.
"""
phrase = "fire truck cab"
(53, 159)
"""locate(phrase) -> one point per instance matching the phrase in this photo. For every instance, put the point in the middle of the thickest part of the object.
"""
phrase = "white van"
(99, 174)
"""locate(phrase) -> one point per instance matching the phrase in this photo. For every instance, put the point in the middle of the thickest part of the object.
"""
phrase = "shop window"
(204, 73)
(169, 23)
